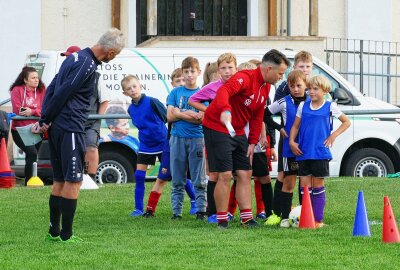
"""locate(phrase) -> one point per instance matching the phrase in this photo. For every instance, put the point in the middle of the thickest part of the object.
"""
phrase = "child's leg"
(318, 199)
(179, 171)
(289, 183)
(140, 177)
(232, 198)
(267, 195)
(155, 195)
(258, 194)
(212, 181)
(197, 172)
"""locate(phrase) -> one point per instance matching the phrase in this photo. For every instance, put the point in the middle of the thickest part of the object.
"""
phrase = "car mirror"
(340, 96)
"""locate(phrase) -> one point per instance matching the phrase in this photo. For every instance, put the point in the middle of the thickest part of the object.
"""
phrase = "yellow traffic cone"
(34, 181)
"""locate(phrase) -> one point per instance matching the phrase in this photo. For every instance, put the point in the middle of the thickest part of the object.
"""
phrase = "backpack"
(4, 125)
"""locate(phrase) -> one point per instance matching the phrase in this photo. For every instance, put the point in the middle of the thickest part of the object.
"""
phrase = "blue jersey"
(67, 98)
(291, 109)
(148, 115)
(179, 98)
(314, 129)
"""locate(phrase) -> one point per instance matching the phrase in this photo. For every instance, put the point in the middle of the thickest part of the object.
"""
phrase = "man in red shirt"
(240, 101)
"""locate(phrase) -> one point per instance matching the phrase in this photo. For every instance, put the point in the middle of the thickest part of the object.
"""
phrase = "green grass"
(116, 241)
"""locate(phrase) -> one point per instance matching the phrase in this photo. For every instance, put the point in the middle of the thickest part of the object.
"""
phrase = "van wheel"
(114, 168)
(368, 162)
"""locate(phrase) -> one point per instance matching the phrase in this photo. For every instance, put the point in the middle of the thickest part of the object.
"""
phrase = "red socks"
(153, 201)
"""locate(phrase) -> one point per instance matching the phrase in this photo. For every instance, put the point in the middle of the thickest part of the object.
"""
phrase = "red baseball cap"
(70, 51)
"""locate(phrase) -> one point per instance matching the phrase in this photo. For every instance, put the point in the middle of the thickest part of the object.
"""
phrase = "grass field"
(113, 240)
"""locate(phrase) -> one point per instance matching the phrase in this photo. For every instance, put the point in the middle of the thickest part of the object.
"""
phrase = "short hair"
(321, 82)
(227, 57)
(275, 58)
(247, 65)
(210, 68)
(112, 39)
(114, 110)
(128, 78)
(255, 62)
(296, 75)
(303, 56)
(190, 62)
(176, 73)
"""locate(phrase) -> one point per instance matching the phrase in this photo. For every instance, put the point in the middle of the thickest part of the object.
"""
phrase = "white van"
(370, 147)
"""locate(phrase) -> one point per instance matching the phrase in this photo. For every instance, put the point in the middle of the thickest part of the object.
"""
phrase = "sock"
(286, 204)
(318, 201)
(300, 194)
(210, 198)
(190, 190)
(277, 198)
(153, 201)
(140, 177)
(259, 198)
(232, 199)
(222, 217)
(68, 207)
(246, 215)
(267, 196)
(55, 215)
(93, 176)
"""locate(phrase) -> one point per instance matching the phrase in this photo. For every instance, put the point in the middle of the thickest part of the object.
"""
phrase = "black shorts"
(312, 167)
(260, 164)
(148, 159)
(290, 166)
(280, 157)
(92, 137)
(226, 153)
(67, 154)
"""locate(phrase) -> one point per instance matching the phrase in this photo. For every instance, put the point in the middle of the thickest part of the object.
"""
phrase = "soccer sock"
(232, 199)
(210, 198)
(55, 215)
(300, 193)
(153, 201)
(140, 177)
(259, 198)
(222, 217)
(190, 190)
(246, 215)
(277, 198)
(286, 204)
(68, 207)
(267, 196)
(318, 201)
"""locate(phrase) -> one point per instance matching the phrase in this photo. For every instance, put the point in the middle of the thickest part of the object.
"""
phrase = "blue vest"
(291, 110)
(152, 129)
(315, 128)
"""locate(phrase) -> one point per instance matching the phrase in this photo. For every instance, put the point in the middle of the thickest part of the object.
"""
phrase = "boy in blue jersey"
(312, 128)
(187, 143)
(64, 113)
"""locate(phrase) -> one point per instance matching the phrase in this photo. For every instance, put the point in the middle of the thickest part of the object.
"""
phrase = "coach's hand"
(226, 117)
(36, 128)
(250, 153)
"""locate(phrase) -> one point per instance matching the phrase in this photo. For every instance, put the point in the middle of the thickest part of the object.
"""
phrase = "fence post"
(361, 66)
(388, 79)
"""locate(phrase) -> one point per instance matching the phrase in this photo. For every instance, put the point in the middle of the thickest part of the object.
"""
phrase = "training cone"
(390, 232)
(88, 183)
(34, 181)
(307, 215)
(4, 162)
(361, 224)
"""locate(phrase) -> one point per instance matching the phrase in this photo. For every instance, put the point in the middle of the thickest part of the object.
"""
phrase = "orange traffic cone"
(390, 232)
(4, 163)
(307, 215)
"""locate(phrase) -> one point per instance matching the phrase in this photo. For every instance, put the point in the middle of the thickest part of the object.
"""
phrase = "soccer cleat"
(201, 216)
(261, 216)
(230, 217)
(272, 220)
(212, 219)
(223, 225)
(72, 240)
(319, 225)
(136, 213)
(285, 223)
(148, 214)
(193, 208)
(50, 238)
(176, 217)
(251, 223)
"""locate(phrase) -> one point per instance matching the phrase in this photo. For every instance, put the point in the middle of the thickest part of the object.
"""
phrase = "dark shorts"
(67, 154)
(148, 159)
(316, 168)
(92, 137)
(260, 164)
(226, 153)
(290, 166)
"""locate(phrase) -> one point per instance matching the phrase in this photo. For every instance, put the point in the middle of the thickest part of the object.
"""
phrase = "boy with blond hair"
(313, 129)
(187, 143)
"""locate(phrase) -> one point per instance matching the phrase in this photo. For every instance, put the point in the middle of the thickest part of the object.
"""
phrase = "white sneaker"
(285, 223)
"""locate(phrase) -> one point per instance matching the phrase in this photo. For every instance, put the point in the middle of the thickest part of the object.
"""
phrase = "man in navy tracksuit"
(64, 112)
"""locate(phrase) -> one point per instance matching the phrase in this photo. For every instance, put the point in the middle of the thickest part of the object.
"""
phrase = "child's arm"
(345, 125)
(198, 105)
(293, 134)
(263, 139)
(175, 114)
(206, 93)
